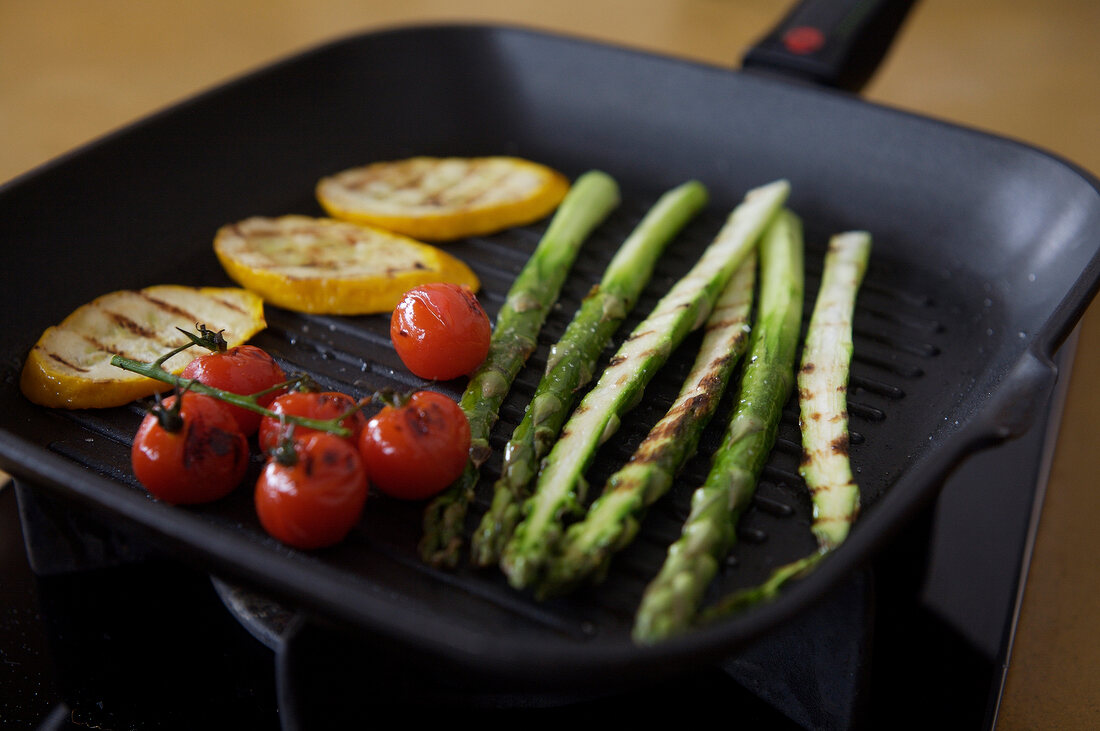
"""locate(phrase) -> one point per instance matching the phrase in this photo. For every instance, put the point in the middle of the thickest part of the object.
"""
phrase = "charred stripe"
(55, 357)
(168, 307)
(101, 346)
(840, 445)
(130, 326)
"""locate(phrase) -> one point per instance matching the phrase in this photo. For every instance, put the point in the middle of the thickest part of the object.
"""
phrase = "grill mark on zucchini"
(99, 345)
(499, 182)
(411, 181)
(129, 325)
(168, 306)
(230, 305)
(57, 358)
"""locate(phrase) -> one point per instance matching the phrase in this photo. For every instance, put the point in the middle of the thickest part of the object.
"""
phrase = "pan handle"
(837, 43)
(1020, 399)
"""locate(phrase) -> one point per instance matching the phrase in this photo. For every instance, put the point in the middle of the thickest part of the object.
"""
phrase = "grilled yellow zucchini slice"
(324, 266)
(442, 199)
(70, 365)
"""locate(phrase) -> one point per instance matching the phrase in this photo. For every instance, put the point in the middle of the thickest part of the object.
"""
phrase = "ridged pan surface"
(984, 257)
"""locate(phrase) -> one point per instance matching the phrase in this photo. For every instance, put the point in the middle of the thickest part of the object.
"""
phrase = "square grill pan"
(985, 257)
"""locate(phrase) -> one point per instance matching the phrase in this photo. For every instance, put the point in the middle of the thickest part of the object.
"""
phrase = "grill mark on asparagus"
(673, 427)
(721, 324)
(837, 518)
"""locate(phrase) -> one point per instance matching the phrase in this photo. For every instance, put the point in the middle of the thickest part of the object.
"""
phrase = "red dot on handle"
(803, 39)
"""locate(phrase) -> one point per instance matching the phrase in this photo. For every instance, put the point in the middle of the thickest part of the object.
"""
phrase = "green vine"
(215, 342)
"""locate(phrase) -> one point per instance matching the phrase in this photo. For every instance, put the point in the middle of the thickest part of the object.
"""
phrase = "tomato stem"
(169, 417)
(284, 452)
(390, 397)
(290, 383)
(161, 360)
(304, 383)
(155, 371)
(207, 338)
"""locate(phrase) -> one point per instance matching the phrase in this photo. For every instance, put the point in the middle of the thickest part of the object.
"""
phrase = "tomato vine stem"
(155, 371)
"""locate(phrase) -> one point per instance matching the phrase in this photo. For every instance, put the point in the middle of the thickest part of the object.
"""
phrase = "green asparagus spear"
(560, 488)
(573, 359)
(822, 396)
(766, 591)
(671, 600)
(823, 390)
(591, 198)
(613, 520)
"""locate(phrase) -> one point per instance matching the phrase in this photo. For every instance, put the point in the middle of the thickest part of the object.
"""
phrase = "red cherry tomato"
(415, 450)
(315, 501)
(244, 369)
(200, 460)
(440, 331)
(322, 405)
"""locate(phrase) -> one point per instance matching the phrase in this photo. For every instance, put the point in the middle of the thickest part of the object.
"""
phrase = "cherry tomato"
(244, 369)
(315, 501)
(199, 459)
(322, 405)
(415, 450)
(440, 331)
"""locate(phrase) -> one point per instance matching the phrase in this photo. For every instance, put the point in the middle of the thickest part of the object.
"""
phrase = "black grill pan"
(985, 257)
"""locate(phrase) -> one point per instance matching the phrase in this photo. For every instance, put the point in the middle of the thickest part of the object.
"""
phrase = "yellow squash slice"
(324, 266)
(442, 199)
(70, 365)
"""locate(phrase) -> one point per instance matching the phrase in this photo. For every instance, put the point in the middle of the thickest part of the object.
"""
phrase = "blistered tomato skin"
(417, 449)
(201, 461)
(244, 370)
(316, 501)
(322, 405)
(440, 331)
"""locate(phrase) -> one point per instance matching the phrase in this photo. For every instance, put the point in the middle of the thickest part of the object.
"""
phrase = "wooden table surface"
(72, 70)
